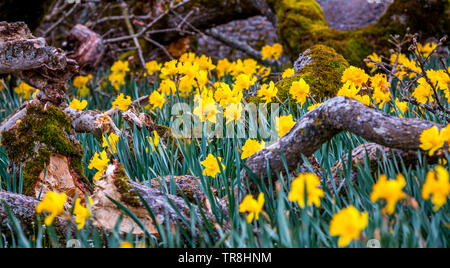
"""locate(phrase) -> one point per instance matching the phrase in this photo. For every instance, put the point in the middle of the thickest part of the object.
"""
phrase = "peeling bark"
(327, 120)
(91, 121)
(29, 58)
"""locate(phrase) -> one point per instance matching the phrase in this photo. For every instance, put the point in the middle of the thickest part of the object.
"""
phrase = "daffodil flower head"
(52, 203)
(252, 206)
(437, 185)
(348, 225)
(389, 190)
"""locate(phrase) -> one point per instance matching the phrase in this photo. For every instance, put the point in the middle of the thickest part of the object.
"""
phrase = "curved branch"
(327, 120)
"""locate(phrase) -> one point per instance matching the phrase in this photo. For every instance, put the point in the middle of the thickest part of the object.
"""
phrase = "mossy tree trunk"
(301, 24)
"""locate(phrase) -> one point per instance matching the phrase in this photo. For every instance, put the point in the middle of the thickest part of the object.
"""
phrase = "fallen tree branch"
(327, 120)
(236, 44)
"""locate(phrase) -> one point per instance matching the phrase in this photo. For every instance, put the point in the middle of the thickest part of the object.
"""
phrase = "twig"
(131, 32)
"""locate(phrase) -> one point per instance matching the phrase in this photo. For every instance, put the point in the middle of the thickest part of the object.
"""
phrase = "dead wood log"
(29, 58)
(327, 120)
(86, 47)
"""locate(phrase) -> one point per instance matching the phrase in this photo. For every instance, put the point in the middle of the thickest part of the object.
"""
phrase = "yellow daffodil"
(244, 81)
(117, 80)
(100, 163)
(52, 203)
(437, 185)
(355, 75)
(423, 92)
(267, 92)
(24, 90)
(78, 105)
(233, 112)
(81, 213)
(284, 123)
(389, 190)
(251, 147)
(81, 81)
(154, 141)
(299, 91)
(111, 142)
(205, 63)
(348, 90)
(152, 67)
(223, 67)
(252, 206)
(402, 106)
(272, 52)
(313, 192)
(169, 70)
(431, 140)
(167, 87)
(288, 73)
(372, 65)
(122, 102)
(425, 49)
(120, 67)
(157, 100)
(211, 165)
(348, 225)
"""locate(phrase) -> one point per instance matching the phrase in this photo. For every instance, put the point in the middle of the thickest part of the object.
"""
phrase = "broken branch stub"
(327, 120)
(87, 47)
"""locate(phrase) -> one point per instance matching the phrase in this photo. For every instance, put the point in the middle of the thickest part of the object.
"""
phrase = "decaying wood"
(59, 176)
(327, 120)
(29, 58)
(91, 121)
(87, 46)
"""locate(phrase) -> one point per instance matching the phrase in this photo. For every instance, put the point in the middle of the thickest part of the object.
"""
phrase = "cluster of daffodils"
(357, 84)
(348, 223)
(407, 68)
(191, 75)
(119, 71)
(53, 205)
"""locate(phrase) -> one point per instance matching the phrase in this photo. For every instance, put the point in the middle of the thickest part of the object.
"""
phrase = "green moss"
(323, 75)
(41, 133)
(302, 25)
(127, 192)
